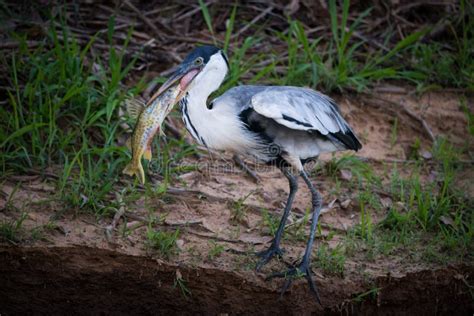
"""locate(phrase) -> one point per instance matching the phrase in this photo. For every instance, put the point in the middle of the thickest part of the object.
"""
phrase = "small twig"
(390, 89)
(233, 241)
(422, 121)
(412, 161)
(118, 214)
(324, 210)
(16, 44)
(239, 162)
(178, 191)
(43, 173)
(323, 225)
(135, 217)
(254, 20)
(410, 113)
(174, 131)
(165, 222)
(183, 223)
(109, 229)
(192, 40)
(369, 40)
(146, 20)
(181, 192)
(191, 12)
(412, 5)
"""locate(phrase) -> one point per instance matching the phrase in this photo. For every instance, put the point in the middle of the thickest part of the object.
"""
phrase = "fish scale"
(149, 122)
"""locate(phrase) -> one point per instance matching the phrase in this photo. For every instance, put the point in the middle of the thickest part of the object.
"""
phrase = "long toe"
(312, 285)
(267, 255)
(297, 272)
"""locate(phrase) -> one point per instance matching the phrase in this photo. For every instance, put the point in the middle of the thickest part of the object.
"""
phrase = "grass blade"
(207, 19)
(229, 28)
(21, 131)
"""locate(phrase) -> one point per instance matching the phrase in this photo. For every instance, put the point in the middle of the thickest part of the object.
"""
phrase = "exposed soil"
(58, 280)
(74, 268)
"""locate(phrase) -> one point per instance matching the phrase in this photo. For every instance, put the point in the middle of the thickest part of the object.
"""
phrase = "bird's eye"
(198, 61)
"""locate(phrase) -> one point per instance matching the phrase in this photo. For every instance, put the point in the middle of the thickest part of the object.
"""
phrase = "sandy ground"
(207, 217)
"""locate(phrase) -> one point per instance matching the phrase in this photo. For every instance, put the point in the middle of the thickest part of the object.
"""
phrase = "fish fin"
(129, 169)
(134, 107)
(135, 170)
(162, 134)
(147, 154)
(142, 173)
(128, 143)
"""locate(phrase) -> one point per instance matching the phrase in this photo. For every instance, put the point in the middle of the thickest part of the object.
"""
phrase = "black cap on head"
(196, 60)
(205, 52)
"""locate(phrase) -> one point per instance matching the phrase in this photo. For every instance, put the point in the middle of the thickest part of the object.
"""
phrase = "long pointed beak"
(185, 74)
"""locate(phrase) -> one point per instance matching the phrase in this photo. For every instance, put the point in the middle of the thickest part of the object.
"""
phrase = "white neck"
(218, 128)
(208, 80)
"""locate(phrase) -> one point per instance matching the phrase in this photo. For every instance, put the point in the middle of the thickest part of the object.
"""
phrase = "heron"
(283, 126)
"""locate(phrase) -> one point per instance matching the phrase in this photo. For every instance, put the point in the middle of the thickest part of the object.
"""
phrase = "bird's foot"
(296, 272)
(268, 254)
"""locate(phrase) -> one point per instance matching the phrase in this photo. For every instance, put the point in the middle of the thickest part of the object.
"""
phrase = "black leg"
(304, 267)
(274, 248)
(316, 201)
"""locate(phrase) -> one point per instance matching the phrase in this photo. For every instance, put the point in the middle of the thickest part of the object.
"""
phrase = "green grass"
(297, 231)
(452, 65)
(180, 283)
(215, 251)
(365, 227)
(360, 170)
(368, 295)
(428, 221)
(394, 133)
(469, 116)
(331, 260)
(431, 213)
(270, 223)
(62, 114)
(163, 242)
(168, 155)
(342, 62)
(207, 18)
(239, 209)
(11, 231)
(339, 66)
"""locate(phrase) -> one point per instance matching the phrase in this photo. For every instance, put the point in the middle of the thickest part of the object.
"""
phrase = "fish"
(150, 118)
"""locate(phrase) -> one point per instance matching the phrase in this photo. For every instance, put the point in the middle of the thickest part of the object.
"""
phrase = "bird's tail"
(135, 168)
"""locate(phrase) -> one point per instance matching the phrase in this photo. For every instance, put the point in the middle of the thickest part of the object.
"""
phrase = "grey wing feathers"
(299, 108)
(304, 109)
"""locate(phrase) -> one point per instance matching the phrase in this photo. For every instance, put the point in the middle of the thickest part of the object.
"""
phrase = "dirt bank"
(81, 280)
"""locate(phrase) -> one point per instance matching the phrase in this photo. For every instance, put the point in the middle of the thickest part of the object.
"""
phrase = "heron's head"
(203, 69)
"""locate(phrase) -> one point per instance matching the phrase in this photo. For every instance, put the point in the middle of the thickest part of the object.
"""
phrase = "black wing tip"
(349, 140)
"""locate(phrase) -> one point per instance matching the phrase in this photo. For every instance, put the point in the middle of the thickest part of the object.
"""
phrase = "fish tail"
(135, 169)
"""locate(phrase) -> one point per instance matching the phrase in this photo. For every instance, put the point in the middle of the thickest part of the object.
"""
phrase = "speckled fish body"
(148, 123)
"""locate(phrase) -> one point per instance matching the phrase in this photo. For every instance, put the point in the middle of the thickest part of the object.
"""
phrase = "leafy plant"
(66, 115)
(239, 209)
(10, 230)
(331, 260)
(162, 241)
(181, 283)
(270, 222)
(215, 251)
